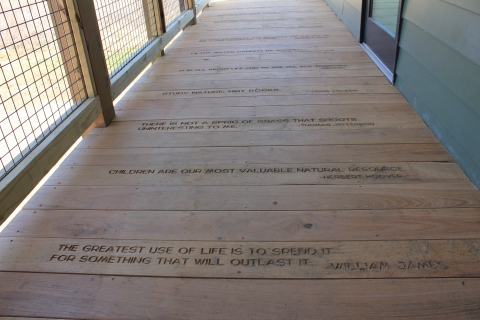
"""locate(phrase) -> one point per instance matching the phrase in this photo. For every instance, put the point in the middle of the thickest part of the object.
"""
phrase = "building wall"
(438, 71)
(349, 12)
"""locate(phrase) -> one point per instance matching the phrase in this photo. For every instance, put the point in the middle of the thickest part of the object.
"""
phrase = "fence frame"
(98, 109)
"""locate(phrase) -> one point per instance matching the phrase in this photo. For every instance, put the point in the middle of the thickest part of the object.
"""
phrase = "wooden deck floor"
(263, 169)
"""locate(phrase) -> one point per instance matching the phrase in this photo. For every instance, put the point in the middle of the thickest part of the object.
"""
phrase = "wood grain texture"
(93, 296)
(257, 155)
(240, 198)
(261, 174)
(340, 225)
(243, 260)
(145, 139)
(295, 161)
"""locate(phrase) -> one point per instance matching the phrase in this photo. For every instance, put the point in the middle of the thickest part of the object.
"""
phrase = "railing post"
(87, 20)
(160, 19)
(59, 16)
(191, 6)
(161, 14)
(152, 28)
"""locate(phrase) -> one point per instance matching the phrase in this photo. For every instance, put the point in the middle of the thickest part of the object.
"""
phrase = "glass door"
(381, 23)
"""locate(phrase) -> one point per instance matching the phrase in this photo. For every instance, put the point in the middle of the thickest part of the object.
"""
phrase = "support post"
(87, 20)
(191, 6)
(149, 24)
(59, 16)
(161, 12)
(160, 16)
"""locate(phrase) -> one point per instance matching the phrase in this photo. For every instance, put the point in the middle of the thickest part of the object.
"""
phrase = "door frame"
(390, 74)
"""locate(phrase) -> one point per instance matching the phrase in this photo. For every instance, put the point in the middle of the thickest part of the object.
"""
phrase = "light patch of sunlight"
(131, 84)
(39, 185)
(175, 38)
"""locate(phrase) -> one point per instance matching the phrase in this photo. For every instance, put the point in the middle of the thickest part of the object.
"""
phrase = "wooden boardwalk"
(263, 169)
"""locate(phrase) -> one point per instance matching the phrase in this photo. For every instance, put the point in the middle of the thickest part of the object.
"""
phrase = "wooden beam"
(192, 6)
(201, 5)
(81, 47)
(87, 20)
(159, 21)
(18, 183)
(161, 10)
(149, 24)
(61, 26)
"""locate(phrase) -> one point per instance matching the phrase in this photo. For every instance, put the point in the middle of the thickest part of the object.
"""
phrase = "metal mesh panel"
(41, 82)
(126, 27)
(173, 8)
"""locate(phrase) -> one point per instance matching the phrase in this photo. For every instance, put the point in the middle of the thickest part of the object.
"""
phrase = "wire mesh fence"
(126, 28)
(173, 8)
(41, 82)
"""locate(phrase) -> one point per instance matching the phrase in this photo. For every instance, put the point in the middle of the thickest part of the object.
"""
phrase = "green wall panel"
(353, 16)
(438, 72)
(349, 12)
(452, 69)
(456, 27)
(357, 4)
(470, 5)
(453, 122)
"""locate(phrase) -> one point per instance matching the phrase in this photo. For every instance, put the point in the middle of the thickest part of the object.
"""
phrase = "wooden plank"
(228, 84)
(288, 123)
(335, 36)
(251, 174)
(263, 90)
(180, 112)
(328, 57)
(307, 55)
(267, 15)
(263, 75)
(252, 155)
(331, 61)
(246, 20)
(324, 56)
(93, 296)
(207, 31)
(249, 49)
(244, 260)
(153, 107)
(353, 225)
(215, 198)
(372, 110)
(154, 139)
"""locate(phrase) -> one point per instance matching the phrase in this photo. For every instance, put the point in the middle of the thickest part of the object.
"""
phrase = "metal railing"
(173, 8)
(126, 28)
(41, 81)
(63, 62)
